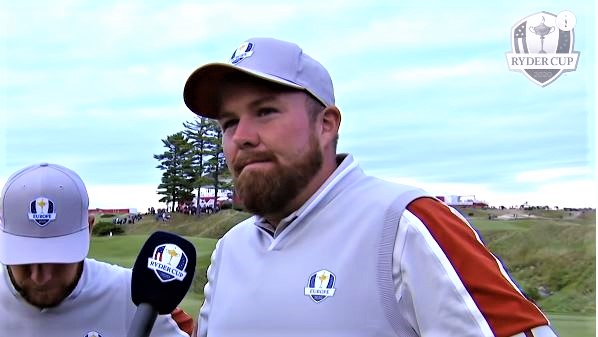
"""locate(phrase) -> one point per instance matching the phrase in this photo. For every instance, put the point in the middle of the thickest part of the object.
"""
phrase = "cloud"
(580, 193)
(140, 196)
(471, 70)
(551, 174)
(424, 87)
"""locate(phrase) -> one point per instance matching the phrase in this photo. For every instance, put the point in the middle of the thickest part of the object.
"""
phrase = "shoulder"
(437, 221)
(241, 229)
(106, 267)
(108, 273)
(432, 212)
(383, 195)
(389, 190)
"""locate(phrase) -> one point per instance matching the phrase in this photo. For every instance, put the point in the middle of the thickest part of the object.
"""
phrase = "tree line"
(193, 159)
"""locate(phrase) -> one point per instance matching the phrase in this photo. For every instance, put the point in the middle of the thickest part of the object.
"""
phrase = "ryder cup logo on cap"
(168, 262)
(542, 46)
(43, 216)
(245, 50)
(42, 211)
(93, 334)
(265, 59)
(320, 285)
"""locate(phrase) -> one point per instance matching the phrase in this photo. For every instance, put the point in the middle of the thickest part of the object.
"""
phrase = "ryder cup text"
(542, 61)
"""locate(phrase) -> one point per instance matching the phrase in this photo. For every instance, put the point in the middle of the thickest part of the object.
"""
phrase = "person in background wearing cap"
(48, 287)
(314, 262)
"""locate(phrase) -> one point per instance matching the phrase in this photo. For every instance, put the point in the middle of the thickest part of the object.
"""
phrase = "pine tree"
(178, 178)
(216, 167)
(210, 166)
(198, 134)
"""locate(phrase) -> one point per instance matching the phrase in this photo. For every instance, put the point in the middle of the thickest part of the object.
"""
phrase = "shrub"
(105, 228)
(532, 294)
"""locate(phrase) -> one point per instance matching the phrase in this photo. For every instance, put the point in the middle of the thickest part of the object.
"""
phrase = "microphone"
(161, 277)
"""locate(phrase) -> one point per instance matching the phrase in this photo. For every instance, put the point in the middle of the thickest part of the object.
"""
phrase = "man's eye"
(266, 111)
(228, 123)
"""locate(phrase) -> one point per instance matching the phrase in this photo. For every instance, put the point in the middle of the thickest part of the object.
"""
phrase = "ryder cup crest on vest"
(320, 285)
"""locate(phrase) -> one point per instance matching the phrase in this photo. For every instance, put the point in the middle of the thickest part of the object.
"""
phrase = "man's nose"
(41, 273)
(246, 134)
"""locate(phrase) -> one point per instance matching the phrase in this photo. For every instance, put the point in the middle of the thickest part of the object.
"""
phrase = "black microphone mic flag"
(161, 277)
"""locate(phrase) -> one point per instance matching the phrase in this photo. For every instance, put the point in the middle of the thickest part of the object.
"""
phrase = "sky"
(424, 89)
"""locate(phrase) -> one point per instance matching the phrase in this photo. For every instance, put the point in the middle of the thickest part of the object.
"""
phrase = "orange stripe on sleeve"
(504, 308)
(183, 320)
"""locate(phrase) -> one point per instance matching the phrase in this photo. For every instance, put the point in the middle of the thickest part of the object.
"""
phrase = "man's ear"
(91, 219)
(331, 122)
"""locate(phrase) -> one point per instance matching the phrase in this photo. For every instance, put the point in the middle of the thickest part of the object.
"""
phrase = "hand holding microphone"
(162, 275)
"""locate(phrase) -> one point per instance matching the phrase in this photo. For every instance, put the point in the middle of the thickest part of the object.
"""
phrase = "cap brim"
(61, 249)
(203, 86)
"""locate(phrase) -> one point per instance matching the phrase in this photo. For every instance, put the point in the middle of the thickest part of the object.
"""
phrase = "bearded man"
(330, 250)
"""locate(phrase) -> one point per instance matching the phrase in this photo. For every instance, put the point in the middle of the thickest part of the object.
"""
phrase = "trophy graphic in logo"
(542, 46)
(42, 211)
(168, 262)
(541, 30)
(320, 285)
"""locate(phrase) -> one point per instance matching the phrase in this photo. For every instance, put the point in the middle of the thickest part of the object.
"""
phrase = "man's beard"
(44, 298)
(265, 192)
(48, 296)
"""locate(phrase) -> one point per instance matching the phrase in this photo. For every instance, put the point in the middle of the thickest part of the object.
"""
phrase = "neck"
(310, 189)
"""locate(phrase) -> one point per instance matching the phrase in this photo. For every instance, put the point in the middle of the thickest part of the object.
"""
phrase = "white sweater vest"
(330, 276)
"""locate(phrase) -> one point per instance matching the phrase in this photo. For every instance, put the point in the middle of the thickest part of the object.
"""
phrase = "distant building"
(462, 201)
(113, 211)
(206, 196)
(208, 192)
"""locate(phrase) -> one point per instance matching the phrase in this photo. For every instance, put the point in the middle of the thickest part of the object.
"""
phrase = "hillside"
(551, 254)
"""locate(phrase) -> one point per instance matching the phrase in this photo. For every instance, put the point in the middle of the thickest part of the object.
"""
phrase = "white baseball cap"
(266, 58)
(43, 216)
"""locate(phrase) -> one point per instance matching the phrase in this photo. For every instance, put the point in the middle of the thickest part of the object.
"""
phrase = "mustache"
(246, 158)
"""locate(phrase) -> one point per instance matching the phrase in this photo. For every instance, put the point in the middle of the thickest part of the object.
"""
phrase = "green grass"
(568, 325)
(486, 226)
(211, 226)
(123, 250)
(548, 257)
(554, 251)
